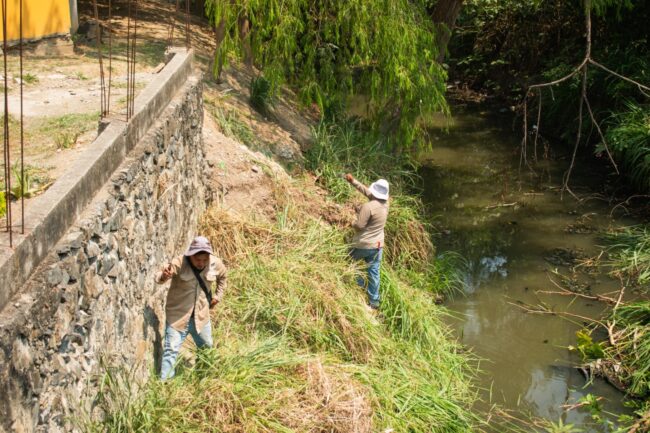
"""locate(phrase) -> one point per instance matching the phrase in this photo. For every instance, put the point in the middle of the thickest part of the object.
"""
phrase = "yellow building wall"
(40, 18)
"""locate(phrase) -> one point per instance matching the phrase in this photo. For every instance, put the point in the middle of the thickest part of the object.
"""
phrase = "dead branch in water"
(547, 311)
(580, 70)
(495, 206)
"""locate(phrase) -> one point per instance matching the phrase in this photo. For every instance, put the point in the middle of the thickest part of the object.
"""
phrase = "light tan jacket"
(371, 220)
(186, 296)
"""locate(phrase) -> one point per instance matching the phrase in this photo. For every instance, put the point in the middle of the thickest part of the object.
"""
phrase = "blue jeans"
(372, 257)
(173, 341)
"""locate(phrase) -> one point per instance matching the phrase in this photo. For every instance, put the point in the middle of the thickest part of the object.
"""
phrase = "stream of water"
(515, 230)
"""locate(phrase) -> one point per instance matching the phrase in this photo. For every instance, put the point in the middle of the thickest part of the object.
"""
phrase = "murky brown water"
(506, 224)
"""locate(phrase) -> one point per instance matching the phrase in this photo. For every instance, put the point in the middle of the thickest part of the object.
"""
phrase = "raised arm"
(358, 185)
(169, 270)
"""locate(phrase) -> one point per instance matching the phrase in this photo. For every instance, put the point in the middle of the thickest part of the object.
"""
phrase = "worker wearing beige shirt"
(189, 299)
(368, 242)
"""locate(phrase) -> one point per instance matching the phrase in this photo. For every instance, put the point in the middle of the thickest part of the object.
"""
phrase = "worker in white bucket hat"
(368, 242)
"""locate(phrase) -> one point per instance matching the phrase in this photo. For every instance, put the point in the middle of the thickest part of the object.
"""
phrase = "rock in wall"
(93, 301)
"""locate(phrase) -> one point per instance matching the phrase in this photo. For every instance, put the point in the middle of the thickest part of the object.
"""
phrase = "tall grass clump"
(628, 252)
(628, 134)
(633, 345)
(249, 385)
(348, 147)
(262, 95)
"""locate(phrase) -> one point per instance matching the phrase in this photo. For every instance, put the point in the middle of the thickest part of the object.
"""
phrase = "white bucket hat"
(380, 189)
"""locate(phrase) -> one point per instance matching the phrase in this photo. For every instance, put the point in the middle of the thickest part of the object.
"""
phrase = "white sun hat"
(379, 189)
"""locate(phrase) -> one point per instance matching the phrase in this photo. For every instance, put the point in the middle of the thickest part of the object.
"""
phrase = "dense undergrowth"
(296, 350)
(624, 356)
(500, 48)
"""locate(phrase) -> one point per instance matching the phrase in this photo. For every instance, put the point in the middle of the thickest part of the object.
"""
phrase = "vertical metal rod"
(128, 62)
(134, 52)
(110, 55)
(7, 151)
(22, 132)
(102, 94)
(170, 40)
(187, 25)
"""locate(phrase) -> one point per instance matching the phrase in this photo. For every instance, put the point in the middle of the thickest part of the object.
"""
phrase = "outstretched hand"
(167, 272)
(349, 177)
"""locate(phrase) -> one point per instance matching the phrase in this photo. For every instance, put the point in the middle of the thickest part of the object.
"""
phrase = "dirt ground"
(248, 152)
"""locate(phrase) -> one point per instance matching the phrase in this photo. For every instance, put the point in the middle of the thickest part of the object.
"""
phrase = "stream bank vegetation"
(296, 350)
(591, 60)
(616, 346)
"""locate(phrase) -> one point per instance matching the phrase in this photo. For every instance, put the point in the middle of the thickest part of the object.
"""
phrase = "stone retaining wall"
(93, 299)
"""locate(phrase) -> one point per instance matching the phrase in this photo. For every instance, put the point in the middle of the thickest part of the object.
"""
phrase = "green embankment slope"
(296, 349)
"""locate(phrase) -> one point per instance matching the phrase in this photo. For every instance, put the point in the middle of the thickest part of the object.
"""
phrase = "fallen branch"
(578, 405)
(566, 292)
(546, 311)
(494, 206)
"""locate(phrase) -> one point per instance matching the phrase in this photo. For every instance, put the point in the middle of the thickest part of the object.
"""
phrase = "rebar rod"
(110, 57)
(128, 59)
(170, 39)
(133, 54)
(102, 82)
(7, 151)
(188, 41)
(22, 131)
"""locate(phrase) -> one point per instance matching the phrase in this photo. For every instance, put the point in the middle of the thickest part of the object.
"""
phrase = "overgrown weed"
(628, 253)
(297, 351)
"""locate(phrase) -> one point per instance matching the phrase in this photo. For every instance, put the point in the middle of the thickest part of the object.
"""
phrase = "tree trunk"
(244, 31)
(444, 18)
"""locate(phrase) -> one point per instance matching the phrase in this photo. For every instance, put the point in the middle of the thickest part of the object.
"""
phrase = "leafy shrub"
(262, 95)
(628, 135)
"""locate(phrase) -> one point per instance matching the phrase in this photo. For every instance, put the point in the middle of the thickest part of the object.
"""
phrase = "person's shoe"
(372, 308)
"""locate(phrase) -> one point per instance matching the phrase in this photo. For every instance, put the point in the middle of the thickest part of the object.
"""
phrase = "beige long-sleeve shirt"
(186, 296)
(371, 220)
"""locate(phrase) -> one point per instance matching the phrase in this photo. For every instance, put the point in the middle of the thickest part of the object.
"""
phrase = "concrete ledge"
(52, 213)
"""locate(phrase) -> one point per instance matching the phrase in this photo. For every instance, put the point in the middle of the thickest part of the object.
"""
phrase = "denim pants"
(173, 341)
(372, 257)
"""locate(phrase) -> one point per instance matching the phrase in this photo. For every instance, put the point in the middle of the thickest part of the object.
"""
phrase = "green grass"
(296, 349)
(262, 95)
(62, 131)
(633, 346)
(29, 78)
(233, 126)
(628, 135)
(298, 352)
(628, 252)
